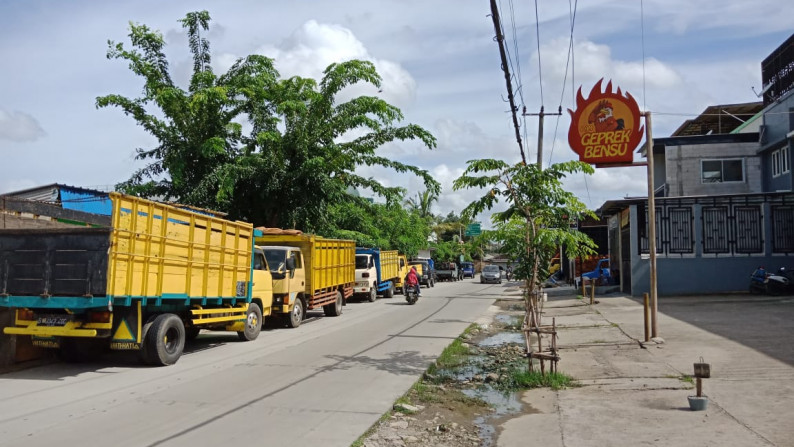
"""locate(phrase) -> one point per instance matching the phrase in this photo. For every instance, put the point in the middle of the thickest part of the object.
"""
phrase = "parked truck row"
(158, 274)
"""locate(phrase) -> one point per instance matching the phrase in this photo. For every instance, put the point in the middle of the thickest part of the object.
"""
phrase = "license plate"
(53, 320)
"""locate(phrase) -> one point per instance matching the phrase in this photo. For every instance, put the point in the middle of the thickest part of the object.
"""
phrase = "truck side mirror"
(291, 263)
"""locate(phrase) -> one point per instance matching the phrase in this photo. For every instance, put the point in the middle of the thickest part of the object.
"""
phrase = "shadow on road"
(762, 323)
(400, 363)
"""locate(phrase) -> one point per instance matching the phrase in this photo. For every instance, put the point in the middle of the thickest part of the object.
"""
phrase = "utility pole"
(500, 40)
(540, 130)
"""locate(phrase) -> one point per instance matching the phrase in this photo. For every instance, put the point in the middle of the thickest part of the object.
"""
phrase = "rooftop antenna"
(763, 92)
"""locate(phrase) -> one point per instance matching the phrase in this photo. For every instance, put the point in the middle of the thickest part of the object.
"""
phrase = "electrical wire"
(572, 18)
(642, 27)
(540, 71)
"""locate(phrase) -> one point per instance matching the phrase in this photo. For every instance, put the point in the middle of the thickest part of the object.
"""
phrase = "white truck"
(376, 272)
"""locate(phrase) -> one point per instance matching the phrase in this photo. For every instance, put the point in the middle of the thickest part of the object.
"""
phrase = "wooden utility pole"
(540, 131)
(651, 222)
(505, 68)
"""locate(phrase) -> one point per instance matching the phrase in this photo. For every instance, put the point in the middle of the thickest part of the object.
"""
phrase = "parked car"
(468, 269)
(491, 273)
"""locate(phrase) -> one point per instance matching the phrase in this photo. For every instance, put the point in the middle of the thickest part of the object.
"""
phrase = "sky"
(438, 59)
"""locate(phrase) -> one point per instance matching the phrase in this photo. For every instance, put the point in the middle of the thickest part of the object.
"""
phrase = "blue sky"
(438, 58)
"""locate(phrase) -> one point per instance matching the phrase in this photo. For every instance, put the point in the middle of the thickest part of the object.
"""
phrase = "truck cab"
(403, 272)
(289, 282)
(468, 269)
(366, 277)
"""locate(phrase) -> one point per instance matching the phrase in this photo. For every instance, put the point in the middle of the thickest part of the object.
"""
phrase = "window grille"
(715, 229)
(783, 229)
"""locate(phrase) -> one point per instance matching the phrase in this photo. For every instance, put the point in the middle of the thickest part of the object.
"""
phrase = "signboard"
(605, 128)
(473, 230)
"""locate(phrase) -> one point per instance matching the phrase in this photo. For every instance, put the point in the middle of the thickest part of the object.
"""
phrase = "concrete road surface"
(322, 384)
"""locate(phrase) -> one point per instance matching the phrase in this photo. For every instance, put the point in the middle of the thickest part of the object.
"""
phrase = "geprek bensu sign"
(605, 128)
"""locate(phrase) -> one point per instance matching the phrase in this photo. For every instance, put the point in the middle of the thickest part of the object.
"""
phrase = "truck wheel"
(373, 295)
(192, 332)
(334, 309)
(432, 283)
(295, 317)
(389, 292)
(253, 323)
(165, 340)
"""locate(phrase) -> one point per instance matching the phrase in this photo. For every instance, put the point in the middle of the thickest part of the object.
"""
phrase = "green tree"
(293, 162)
(423, 203)
(537, 219)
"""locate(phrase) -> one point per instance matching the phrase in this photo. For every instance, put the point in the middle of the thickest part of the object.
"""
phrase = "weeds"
(521, 379)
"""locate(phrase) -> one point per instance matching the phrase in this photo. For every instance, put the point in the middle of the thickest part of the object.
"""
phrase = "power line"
(540, 71)
(500, 41)
(572, 18)
(642, 27)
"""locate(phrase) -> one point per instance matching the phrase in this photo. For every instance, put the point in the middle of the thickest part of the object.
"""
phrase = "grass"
(521, 379)
(687, 378)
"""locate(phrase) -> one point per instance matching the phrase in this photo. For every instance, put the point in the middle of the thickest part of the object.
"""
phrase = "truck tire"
(334, 309)
(389, 292)
(164, 341)
(373, 295)
(253, 323)
(432, 283)
(295, 317)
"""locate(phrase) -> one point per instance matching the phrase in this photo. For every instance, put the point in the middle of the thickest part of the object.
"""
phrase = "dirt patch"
(462, 403)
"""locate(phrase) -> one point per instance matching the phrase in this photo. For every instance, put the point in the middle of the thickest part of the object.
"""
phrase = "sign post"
(473, 229)
(605, 130)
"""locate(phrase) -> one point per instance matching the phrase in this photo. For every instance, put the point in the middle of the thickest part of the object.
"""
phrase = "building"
(724, 196)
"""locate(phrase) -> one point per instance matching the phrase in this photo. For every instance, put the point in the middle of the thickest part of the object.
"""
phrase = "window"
(781, 162)
(722, 171)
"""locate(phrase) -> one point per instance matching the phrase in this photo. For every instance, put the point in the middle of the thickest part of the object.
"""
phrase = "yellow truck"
(151, 280)
(401, 273)
(308, 272)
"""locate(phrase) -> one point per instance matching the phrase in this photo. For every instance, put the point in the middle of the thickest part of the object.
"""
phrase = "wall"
(683, 169)
(700, 273)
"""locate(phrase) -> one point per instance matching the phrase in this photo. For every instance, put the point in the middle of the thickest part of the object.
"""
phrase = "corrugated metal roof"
(720, 119)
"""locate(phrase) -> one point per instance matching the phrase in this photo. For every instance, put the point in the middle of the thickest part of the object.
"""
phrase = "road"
(322, 384)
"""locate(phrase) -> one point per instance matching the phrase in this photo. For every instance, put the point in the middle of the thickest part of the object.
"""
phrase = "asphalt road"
(322, 384)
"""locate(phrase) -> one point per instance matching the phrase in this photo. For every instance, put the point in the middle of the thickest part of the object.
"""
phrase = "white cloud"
(314, 46)
(19, 126)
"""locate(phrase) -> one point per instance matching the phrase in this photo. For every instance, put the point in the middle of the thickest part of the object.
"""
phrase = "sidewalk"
(633, 396)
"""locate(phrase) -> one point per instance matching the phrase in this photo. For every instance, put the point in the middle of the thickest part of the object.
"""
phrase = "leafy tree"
(537, 219)
(293, 162)
(387, 226)
(423, 203)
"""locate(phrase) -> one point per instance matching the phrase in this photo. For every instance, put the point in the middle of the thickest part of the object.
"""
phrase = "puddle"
(503, 338)
(502, 403)
(475, 364)
(508, 320)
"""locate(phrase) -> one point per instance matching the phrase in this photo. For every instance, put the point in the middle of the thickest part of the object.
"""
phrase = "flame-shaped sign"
(605, 128)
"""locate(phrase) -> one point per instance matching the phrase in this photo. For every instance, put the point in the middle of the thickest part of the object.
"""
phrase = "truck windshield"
(277, 260)
(362, 262)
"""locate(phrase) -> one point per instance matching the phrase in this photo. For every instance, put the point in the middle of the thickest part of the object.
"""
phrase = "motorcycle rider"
(412, 280)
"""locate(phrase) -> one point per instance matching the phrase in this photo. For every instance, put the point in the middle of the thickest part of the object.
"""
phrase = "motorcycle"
(777, 283)
(410, 295)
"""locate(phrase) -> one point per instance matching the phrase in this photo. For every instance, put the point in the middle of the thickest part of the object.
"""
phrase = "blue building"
(724, 196)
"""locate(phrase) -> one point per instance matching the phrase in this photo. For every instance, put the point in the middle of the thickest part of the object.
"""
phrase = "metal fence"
(729, 225)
